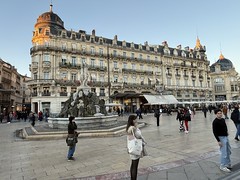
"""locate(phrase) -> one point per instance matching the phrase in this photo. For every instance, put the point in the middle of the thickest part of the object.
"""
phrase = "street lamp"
(108, 64)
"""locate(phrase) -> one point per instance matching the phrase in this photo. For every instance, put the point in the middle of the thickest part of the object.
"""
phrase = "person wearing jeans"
(220, 132)
(71, 152)
(225, 151)
(72, 126)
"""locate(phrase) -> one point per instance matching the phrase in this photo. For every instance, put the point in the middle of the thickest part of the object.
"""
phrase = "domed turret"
(47, 24)
(199, 47)
(225, 64)
(50, 19)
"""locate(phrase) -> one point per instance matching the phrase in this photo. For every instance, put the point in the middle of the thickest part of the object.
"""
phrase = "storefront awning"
(160, 99)
(126, 95)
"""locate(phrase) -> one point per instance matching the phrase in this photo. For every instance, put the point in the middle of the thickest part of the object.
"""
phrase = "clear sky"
(215, 22)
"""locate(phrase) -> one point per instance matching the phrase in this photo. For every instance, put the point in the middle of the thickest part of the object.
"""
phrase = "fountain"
(85, 106)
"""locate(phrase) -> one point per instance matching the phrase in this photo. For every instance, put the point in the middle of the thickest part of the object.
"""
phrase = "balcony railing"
(63, 94)
(97, 68)
(69, 65)
(34, 94)
(40, 81)
(5, 80)
(46, 94)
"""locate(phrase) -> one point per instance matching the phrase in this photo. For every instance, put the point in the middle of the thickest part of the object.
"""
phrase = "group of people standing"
(219, 129)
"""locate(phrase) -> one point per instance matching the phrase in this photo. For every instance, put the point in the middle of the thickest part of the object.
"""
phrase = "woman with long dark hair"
(132, 128)
(72, 126)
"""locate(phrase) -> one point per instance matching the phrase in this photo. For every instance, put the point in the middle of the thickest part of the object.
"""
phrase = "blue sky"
(215, 22)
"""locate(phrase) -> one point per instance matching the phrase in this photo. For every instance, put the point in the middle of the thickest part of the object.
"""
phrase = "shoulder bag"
(135, 146)
(70, 140)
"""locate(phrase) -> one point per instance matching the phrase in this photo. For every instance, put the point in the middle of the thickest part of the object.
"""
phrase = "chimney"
(164, 43)
(93, 32)
(179, 46)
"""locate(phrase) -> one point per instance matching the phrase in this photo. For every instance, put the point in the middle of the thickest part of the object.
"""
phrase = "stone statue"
(84, 74)
(83, 103)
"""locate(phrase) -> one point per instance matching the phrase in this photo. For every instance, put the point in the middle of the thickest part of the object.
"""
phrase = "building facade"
(225, 80)
(11, 93)
(119, 71)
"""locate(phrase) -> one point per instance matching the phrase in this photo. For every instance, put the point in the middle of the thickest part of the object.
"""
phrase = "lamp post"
(108, 64)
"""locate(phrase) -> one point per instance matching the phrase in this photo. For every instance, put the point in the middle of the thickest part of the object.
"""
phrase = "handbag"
(70, 140)
(135, 146)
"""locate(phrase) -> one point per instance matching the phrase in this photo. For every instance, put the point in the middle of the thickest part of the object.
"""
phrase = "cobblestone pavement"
(172, 155)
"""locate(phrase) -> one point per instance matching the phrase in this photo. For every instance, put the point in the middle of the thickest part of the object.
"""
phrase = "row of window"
(221, 88)
(115, 65)
(124, 54)
(46, 90)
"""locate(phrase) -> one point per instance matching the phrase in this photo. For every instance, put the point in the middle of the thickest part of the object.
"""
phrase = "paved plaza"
(172, 155)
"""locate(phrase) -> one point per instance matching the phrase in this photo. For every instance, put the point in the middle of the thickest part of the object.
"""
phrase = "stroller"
(181, 127)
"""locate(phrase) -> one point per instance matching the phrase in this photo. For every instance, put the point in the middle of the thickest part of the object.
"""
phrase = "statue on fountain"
(83, 103)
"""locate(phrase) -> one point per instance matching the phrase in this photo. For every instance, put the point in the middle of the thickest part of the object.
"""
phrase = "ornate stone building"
(225, 80)
(119, 70)
(11, 94)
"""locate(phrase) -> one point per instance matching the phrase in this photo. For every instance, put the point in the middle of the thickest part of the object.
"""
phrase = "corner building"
(225, 80)
(121, 70)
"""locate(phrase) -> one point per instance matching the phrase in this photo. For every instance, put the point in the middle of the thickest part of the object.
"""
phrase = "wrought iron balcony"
(63, 93)
(46, 94)
(34, 94)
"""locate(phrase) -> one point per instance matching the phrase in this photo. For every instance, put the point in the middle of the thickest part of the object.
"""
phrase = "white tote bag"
(134, 146)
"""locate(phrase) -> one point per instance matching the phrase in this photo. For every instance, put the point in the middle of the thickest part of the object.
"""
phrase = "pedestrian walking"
(220, 132)
(73, 134)
(187, 118)
(180, 117)
(225, 111)
(236, 119)
(133, 128)
(157, 114)
(139, 113)
(205, 110)
(32, 118)
(40, 116)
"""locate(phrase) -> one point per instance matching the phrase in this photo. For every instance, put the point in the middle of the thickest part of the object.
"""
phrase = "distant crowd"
(24, 116)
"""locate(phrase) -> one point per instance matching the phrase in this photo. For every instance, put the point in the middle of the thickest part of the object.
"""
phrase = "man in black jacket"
(235, 117)
(220, 132)
(157, 114)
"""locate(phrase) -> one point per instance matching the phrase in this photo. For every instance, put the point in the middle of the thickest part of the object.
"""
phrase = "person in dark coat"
(32, 118)
(72, 126)
(205, 110)
(139, 113)
(157, 115)
(236, 119)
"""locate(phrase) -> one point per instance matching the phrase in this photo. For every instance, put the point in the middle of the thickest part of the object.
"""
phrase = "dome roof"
(50, 19)
(224, 63)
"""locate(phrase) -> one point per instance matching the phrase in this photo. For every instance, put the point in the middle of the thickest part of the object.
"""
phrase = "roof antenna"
(220, 47)
(51, 6)
(221, 55)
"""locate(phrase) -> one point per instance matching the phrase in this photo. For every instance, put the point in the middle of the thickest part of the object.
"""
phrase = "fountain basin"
(84, 122)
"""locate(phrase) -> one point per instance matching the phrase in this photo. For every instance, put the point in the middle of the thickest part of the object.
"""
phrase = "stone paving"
(172, 155)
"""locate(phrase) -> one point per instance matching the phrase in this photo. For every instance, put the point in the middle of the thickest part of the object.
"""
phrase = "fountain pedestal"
(84, 122)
